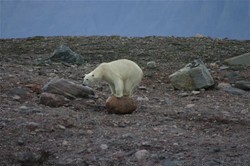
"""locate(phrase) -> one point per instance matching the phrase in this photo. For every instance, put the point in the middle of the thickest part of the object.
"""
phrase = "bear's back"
(124, 67)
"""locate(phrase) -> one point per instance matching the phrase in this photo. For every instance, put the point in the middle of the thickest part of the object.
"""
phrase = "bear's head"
(90, 78)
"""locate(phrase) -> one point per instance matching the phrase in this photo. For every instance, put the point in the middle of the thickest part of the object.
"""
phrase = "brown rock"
(52, 100)
(123, 105)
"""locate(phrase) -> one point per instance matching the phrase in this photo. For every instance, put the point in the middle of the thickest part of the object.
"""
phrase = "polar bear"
(121, 75)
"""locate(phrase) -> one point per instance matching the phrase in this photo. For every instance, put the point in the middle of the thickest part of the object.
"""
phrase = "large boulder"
(64, 54)
(193, 76)
(243, 59)
(122, 105)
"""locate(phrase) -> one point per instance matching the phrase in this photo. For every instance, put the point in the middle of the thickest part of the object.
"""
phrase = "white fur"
(121, 75)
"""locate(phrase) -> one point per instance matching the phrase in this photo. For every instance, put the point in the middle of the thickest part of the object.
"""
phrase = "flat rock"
(123, 105)
(67, 88)
(243, 59)
(234, 91)
(193, 76)
(18, 91)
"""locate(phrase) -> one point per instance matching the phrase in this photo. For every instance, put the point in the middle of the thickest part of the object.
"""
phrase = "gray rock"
(193, 76)
(141, 154)
(245, 85)
(234, 91)
(168, 101)
(18, 91)
(229, 89)
(65, 54)
(243, 59)
(67, 88)
(169, 162)
(26, 158)
(183, 94)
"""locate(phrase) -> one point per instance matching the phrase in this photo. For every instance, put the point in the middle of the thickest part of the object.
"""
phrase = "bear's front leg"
(112, 88)
(118, 88)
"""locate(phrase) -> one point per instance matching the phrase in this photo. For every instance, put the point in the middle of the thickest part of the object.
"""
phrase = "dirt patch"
(210, 128)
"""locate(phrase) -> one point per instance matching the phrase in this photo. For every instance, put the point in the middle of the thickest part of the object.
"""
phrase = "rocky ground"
(169, 127)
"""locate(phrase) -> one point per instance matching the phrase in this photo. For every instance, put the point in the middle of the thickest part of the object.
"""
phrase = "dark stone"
(245, 85)
(26, 158)
(65, 54)
(123, 105)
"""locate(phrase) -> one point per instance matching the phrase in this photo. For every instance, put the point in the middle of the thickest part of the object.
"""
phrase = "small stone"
(141, 154)
(168, 101)
(194, 92)
(146, 143)
(16, 97)
(142, 98)
(216, 150)
(223, 85)
(184, 94)
(104, 146)
(32, 126)
(175, 144)
(20, 142)
(119, 155)
(90, 132)
(190, 105)
(151, 65)
(224, 67)
(23, 107)
(127, 136)
(65, 143)
(142, 88)
(61, 127)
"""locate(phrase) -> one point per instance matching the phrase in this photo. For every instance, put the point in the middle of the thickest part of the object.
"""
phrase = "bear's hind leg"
(128, 88)
(119, 88)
